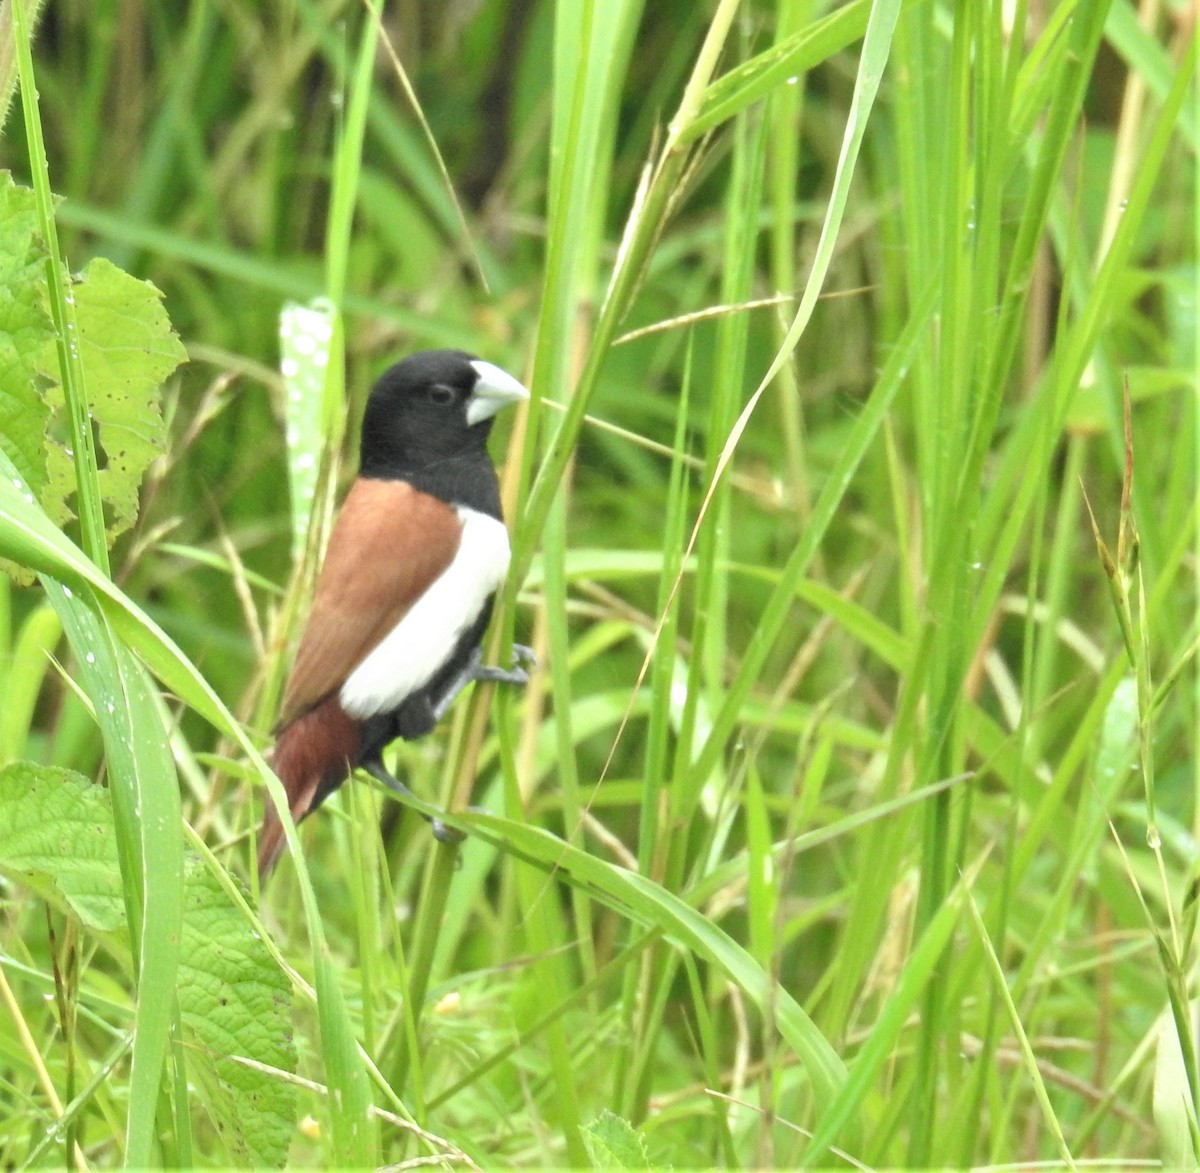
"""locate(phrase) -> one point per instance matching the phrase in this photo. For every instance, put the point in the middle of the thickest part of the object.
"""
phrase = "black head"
(431, 408)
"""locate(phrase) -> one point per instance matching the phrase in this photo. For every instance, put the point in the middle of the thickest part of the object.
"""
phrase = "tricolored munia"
(406, 589)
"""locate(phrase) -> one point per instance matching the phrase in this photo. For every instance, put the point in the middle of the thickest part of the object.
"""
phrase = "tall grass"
(855, 796)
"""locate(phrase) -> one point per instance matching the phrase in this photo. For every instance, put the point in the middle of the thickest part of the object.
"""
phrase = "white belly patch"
(409, 656)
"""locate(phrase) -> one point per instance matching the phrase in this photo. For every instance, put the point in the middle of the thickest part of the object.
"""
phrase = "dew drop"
(1153, 839)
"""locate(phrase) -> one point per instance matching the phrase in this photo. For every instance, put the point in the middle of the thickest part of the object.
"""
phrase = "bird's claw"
(451, 836)
(524, 654)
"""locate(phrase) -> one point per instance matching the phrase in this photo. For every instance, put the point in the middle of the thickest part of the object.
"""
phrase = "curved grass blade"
(652, 906)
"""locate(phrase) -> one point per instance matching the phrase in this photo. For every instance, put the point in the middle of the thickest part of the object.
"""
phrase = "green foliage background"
(854, 524)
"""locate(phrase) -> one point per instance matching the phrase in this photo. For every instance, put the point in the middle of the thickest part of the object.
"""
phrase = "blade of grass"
(642, 229)
(919, 968)
(774, 614)
(1014, 1017)
(62, 310)
(148, 818)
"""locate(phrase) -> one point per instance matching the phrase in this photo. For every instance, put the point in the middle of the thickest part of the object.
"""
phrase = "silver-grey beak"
(495, 389)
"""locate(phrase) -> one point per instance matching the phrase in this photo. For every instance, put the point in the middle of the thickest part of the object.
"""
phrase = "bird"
(406, 588)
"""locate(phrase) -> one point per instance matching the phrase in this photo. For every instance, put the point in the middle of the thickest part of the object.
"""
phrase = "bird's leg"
(381, 773)
(465, 676)
(475, 669)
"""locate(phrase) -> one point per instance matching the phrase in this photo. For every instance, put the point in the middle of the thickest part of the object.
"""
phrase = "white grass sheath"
(407, 658)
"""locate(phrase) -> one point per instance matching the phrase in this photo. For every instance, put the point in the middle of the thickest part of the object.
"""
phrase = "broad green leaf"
(613, 1143)
(58, 838)
(128, 348)
(236, 1004)
(25, 330)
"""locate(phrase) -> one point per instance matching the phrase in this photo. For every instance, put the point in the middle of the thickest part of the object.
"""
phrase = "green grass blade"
(62, 310)
(919, 969)
(774, 614)
(146, 810)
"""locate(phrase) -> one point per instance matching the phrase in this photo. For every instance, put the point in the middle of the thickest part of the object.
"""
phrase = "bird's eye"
(440, 395)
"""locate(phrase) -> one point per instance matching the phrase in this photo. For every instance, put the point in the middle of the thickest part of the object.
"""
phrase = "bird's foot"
(522, 654)
(500, 675)
(475, 669)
